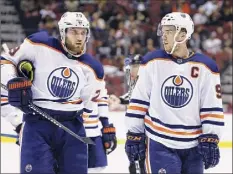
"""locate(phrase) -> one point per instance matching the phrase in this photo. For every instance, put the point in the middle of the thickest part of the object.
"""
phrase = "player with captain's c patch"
(175, 115)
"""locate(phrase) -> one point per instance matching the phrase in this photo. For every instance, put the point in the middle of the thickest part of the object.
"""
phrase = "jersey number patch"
(218, 91)
(97, 93)
(13, 50)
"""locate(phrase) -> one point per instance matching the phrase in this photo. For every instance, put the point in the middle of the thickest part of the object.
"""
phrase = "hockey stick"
(137, 167)
(86, 140)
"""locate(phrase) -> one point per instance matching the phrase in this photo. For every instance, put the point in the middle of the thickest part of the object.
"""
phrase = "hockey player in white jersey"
(8, 112)
(61, 86)
(101, 132)
(96, 124)
(175, 116)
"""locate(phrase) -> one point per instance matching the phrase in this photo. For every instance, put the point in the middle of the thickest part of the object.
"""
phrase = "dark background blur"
(123, 27)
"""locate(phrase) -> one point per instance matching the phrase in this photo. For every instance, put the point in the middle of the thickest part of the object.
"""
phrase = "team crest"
(177, 91)
(162, 171)
(62, 82)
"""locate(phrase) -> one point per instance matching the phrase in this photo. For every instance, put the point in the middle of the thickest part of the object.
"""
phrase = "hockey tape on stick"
(5, 47)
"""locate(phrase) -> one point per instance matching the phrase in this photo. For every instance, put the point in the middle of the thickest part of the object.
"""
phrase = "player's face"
(134, 71)
(75, 39)
(168, 33)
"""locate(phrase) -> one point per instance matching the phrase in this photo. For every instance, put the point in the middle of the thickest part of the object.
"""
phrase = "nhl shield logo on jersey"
(62, 82)
(177, 91)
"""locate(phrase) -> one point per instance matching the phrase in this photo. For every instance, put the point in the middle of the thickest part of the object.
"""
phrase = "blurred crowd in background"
(123, 27)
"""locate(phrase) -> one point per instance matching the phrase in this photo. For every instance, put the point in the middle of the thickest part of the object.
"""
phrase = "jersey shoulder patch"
(43, 38)
(156, 54)
(207, 61)
(94, 64)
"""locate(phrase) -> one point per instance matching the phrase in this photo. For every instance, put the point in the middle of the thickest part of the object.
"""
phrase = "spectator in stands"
(200, 18)
(165, 8)
(195, 42)
(181, 6)
(47, 12)
(71, 5)
(214, 18)
(210, 6)
(226, 11)
(213, 45)
(49, 24)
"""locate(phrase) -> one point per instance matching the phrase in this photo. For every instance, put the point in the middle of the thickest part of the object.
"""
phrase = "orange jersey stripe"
(85, 115)
(6, 62)
(105, 101)
(91, 122)
(170, 131)
(212, 116)
(73, 102)
(4, 100)
(138, 108)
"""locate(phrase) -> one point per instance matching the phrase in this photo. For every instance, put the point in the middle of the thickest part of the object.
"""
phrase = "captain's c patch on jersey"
(176, 91)
(62, 82)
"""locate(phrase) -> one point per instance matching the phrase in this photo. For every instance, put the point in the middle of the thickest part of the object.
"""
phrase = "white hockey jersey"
(10, 113)
(60, 83)
(92, 122)
(175, 100)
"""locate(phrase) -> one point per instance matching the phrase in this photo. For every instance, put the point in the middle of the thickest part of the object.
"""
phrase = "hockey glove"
(20, 93)
(135, 148)
(209, 150)
(25, 68)
(124, 99)
(109, 137)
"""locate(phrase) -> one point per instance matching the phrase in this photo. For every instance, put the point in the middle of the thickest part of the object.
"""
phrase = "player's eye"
(167, 32)
(83, 33)
(71, 31)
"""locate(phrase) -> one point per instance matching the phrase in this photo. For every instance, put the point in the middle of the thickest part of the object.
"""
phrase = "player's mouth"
(78, 44)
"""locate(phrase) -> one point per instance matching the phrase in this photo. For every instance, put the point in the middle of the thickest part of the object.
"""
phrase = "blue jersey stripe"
(174, 126)
(102, 104)
(134, 115)
(218, 123)
(169, 137)
(211, 109)
(139, 102)
(91, 127)
(87, 110)
(93, 116)
(2, 58)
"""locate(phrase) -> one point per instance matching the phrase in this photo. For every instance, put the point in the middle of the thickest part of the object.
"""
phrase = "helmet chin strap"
(176, 42)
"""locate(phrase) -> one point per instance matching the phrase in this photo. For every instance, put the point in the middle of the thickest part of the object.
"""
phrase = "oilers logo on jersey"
(177, 91)
(62, 82)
